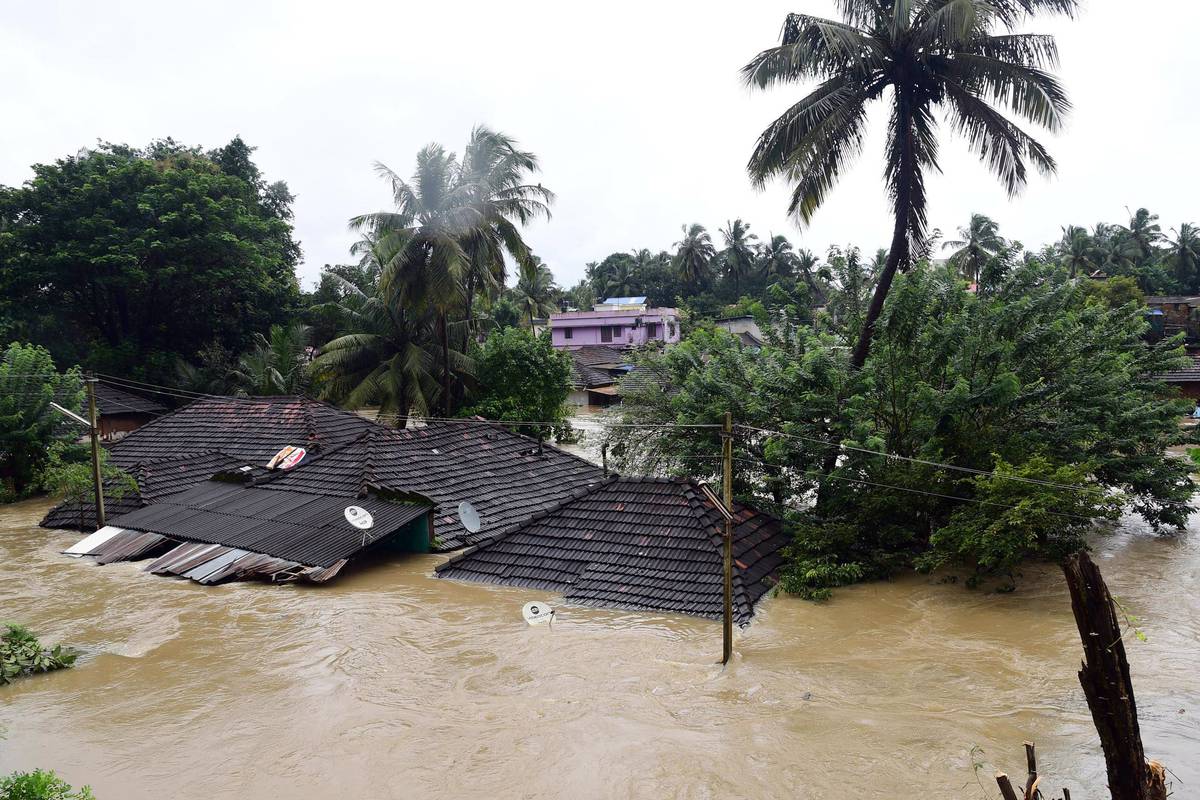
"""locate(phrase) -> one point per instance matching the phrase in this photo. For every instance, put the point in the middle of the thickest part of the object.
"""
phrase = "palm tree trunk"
(898, 254)
(445, 364)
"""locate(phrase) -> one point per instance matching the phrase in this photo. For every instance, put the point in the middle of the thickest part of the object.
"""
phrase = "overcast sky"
(635, 109)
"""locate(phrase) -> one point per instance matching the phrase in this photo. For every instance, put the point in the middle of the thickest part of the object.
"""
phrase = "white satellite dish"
(468, 516)
(536, 613)
(359, 517)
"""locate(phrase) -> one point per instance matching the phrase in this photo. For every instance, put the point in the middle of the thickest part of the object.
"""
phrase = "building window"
(652, 330)
(671, 329)
(568, 333)
(609, 332)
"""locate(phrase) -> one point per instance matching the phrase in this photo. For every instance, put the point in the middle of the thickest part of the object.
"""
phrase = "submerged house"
(202, 479)
(649, 544)
(119, 412)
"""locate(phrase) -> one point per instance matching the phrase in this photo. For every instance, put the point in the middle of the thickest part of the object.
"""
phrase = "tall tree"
(278, 362)
(738, 255)
(1184, 253)
(776, 259)
(127, 259)
(1077, 251)
(980, 241)
(920, 56)
(694, 254)
(1145, 232)
(535, 290)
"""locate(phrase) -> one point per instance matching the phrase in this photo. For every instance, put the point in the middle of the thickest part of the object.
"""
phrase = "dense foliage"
(522, 378)
(40, 785)
(1024, 387)
(69, 475)
(29, 383)
(22, 654)
(126, 260)
(440, 256)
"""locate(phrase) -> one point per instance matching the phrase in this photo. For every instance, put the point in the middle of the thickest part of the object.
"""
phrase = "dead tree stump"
(1104, 676)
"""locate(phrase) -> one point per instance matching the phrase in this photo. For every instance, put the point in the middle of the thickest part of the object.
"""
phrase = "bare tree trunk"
(1104, 676)
(445, 365)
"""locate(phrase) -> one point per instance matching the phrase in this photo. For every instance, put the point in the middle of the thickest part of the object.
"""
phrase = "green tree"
(1184, 255)
(522, 378)
(387, 356)
(278, 362)
(29, 383)
(981, 242)
(128, 259)
(694, 255)
(40, 785)
(933, 55)
(776, 259)
(738, 255)
(535, 290)
(1077, 251)
(68, 474)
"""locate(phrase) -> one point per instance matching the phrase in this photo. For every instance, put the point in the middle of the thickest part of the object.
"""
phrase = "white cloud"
(635, 109)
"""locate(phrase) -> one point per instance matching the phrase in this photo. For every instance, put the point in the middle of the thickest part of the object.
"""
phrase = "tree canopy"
(126, 259)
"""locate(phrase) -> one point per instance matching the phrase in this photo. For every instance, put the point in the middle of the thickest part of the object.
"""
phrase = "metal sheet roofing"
(305, 528)
(640, 543)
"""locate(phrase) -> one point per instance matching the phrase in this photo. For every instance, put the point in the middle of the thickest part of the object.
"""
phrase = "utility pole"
(94, 428)
(727, 458)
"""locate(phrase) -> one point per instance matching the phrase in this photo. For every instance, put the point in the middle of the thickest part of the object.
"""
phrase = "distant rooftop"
(624, 301)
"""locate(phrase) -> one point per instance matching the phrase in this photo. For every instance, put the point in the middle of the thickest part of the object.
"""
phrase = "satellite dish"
(536, 613)
(359, 517)
(468, 516)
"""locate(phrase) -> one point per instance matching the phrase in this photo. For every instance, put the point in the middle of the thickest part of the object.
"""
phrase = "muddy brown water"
(390, 683)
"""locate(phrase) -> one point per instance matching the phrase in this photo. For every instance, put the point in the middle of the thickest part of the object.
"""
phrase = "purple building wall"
(614, 328)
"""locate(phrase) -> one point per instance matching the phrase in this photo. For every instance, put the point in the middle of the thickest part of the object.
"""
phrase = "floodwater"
(390, 683)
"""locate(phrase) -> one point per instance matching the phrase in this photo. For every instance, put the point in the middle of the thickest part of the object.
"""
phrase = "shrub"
(40, 785)
(22, 654)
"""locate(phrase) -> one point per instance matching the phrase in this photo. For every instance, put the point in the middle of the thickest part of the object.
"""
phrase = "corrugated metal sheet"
(303, 528)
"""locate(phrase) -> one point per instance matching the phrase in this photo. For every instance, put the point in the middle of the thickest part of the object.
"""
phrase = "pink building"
(574, 329)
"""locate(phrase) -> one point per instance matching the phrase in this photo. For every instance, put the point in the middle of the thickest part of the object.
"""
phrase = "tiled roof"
(189, 445)
(306, 528)
(251, 430)
(640, 543)
(500, 473)
(497, 471)
(111, 401)
(587, 377)
(1170, 300)
(595, 355)
(645, 377)
(1189, 374)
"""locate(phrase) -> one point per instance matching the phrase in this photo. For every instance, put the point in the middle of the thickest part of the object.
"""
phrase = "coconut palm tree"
(623, 279)
(775, 257)
(1116, 251)
(499, 173)
(694, 254)
(535, 290)
(980, 242)
(1184, 253)
(278, 362)
(387, 357)
(738, 255)
(1078, 251)
(920, 57)
(1145, 231)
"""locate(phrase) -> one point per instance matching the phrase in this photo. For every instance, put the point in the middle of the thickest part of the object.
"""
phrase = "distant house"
(1186, 379)
(121, 412)
(1172, 314)
(649, 544)
(745, 328)
(615, 328)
